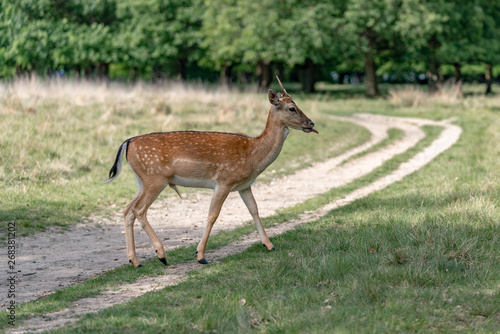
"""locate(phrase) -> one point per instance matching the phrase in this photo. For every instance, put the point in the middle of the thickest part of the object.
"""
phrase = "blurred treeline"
(250, 41)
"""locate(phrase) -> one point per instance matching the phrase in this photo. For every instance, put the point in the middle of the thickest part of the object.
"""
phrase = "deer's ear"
(274, 99)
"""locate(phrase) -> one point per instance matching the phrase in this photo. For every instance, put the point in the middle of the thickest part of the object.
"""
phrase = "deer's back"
(203, 156)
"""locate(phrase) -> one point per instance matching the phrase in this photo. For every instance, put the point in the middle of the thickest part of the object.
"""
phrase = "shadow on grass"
(36, 215)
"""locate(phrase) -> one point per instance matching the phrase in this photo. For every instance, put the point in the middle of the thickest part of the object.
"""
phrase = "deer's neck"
(269, 144)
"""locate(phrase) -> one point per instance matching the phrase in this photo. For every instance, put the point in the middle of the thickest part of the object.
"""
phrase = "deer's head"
(287, 111)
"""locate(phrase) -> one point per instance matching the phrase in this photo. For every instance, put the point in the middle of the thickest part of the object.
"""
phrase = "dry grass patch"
(414, 96)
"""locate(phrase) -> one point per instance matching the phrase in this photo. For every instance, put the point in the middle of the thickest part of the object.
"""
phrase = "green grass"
(406, 259)
(418, 256)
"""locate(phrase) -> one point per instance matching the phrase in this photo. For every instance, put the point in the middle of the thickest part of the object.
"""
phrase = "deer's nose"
(312, 123)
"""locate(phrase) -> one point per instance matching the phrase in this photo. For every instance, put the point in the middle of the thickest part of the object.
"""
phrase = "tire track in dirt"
(300, 186)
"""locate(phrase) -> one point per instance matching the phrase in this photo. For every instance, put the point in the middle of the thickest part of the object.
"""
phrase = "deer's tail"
(117, 166)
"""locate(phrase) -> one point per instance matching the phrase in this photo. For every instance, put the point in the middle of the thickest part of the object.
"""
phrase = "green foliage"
(194, 38)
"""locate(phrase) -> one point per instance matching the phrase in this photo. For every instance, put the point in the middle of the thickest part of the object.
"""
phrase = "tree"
(27, 41)
(443, 31)
(46, 34)
(310, 37)
(368, 26)
(238, 32)
(158, 36)
(488, 50)
(461, 35)
(266, 33)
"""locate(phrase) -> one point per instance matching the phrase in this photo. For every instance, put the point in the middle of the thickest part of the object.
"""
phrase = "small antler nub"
(282, 89)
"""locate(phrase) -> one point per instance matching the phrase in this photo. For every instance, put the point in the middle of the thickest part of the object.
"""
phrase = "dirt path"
(184, 221)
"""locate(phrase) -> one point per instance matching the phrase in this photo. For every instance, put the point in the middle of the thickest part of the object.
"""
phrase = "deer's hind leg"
(139, 209)
(129, 218)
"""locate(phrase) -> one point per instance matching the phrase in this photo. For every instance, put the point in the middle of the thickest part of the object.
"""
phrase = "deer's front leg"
(218, 198)
(247, 197)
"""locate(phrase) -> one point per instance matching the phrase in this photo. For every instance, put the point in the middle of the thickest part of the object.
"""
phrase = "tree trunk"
(308, 77)
(225, 76)
(133, 74)
(371, 76)
(457, 74)
(32, 71)
(264, 74)
(457, 78)
(370, 64)
(342, 78)
(489, 78)
(156, 73)
(103, 72)
(182, 68)
(434, 77)
(77, 71)
(87, 72)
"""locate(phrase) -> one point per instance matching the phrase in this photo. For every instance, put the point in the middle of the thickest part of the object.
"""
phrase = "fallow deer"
(221, 161)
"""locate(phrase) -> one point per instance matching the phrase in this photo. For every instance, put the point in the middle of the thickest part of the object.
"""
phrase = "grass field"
(419, 256)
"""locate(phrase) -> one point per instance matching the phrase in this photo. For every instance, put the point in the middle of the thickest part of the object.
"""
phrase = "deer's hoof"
(137, 266)
(271, 250)
(203, 261)
(163, 260)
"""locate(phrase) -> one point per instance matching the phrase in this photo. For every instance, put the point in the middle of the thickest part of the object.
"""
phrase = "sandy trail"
(46, 264)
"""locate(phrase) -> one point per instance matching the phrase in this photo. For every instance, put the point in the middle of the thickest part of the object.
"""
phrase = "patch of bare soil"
(49, 261)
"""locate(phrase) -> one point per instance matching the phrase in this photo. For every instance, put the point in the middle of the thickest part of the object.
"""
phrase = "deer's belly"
(193, 183)
(244, 185)
(200, 183)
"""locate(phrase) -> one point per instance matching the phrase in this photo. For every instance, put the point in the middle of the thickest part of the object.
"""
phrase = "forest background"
(242, 42)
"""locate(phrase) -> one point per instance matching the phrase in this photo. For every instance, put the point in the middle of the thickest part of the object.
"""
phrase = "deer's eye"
(292, 109)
